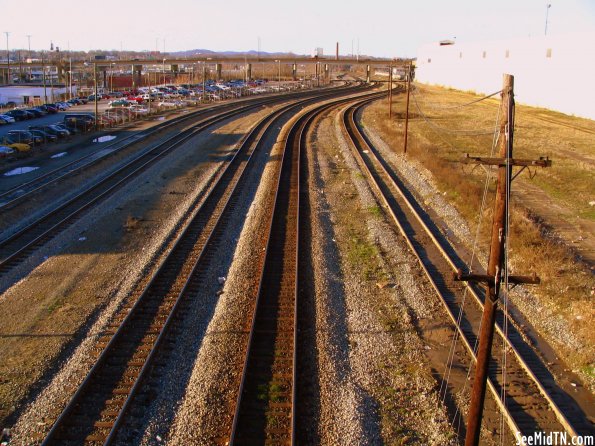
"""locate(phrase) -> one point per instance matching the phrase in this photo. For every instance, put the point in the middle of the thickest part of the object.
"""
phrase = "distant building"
(34, 94)
(318, 52)
(554, 72)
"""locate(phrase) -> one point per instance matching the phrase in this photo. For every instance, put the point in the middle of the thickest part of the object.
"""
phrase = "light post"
(163, 67)
(279, 78)
(111, 67)
(95, 95)
(547, 10)
(204, 82)
(29, 55)
(70, 77)
(45, 92)
(7, 59)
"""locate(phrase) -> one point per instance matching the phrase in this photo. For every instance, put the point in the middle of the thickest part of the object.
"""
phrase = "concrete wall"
(554, 72)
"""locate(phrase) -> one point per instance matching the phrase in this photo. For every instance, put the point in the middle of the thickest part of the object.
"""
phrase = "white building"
(34, 94)
(554, 72)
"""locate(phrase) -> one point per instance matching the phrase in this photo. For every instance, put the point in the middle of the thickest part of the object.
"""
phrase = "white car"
(6, 151)
(138, 109)
(7, 118)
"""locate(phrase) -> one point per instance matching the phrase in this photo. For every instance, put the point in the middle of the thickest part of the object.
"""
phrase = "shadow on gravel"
(103, 227)
(72, 342)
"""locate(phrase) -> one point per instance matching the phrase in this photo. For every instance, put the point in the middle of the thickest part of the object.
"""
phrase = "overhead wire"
(428, 120)
(466, 104)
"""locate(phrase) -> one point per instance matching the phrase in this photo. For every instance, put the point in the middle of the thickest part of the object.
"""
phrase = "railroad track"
(533, 401)
(265, 407)
(19, 245)
(23, 191)
(127, 348)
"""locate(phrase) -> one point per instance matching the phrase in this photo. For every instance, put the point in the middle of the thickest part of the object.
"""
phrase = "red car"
(136, 99)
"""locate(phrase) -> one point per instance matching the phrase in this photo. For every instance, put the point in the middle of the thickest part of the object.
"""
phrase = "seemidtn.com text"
(553, 439)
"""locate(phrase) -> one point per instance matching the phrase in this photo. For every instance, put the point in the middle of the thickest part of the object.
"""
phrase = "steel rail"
(277, 290)
(359, 138)
(219, 197)
(36, 238)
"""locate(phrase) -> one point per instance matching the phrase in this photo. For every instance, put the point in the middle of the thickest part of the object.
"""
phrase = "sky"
(383, 28)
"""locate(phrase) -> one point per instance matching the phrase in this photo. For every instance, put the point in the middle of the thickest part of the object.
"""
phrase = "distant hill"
(201, 51)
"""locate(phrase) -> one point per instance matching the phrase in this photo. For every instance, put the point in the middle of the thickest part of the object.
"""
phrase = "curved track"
(23, 191)
(105, 397)
(15, 248)
(533, 402)
(266, 404)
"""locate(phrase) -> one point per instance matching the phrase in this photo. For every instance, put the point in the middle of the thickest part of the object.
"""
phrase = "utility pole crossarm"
(459, 276)
(541, 162)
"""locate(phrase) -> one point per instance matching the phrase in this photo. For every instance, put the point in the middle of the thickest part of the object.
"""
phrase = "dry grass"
(567, 285)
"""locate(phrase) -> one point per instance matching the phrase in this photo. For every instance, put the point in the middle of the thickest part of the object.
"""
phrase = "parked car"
(40, 110)
(24, 136)
(50, 109)
(135, 99)
(51, 129)
(7, 118)
(18, 146)
(6, 152)
(79, 121)
(91, 98)
(35, 113)
(62, 126)
(47, 137)
(18, 115)
(119, 103)
(139, 110)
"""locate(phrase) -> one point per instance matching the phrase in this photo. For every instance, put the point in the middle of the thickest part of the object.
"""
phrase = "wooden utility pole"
(390, 92)
(496, 262)
(408, 75)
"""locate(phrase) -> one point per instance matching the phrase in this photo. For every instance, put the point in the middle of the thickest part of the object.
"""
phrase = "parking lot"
(116, 108)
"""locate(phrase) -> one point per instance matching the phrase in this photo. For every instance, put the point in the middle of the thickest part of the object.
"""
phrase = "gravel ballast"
(125, 237)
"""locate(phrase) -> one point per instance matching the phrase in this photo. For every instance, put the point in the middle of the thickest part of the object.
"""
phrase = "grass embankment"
(441, 137)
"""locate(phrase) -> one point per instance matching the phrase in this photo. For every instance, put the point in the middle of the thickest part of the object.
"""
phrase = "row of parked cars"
(22, 114)
(21, 141)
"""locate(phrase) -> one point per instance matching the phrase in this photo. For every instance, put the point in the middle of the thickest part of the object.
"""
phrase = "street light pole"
(29, 55)
(7, 59)
(70, 77)
(45, 92)
(547, 10)
(95, 95)
(204, 82)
